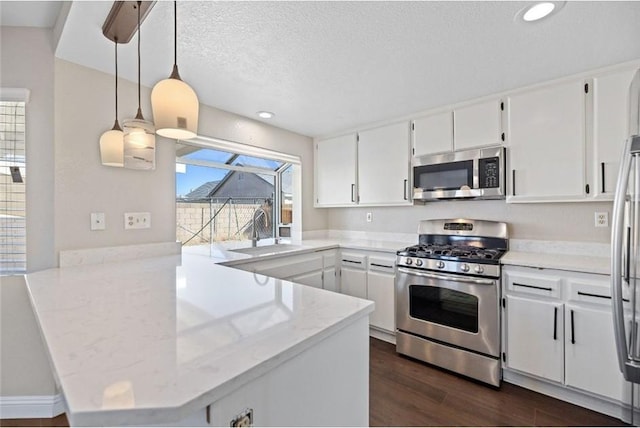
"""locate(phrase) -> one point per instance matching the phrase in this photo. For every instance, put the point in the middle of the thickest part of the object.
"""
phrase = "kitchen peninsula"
(179, 340)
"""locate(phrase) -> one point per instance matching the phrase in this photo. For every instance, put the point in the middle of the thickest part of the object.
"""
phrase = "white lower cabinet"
(315, 269)
(381, 289)
(535, 337)
(312, 279)
(559, 327)
(353, 275)
(591, 363)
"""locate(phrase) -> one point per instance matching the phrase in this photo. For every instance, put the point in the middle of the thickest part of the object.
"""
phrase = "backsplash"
(572, 222)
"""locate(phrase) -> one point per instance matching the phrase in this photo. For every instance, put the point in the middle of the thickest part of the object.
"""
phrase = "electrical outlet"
(98, 221)
(137, 220)
(369, 217)
(244, 419)
(602, 219)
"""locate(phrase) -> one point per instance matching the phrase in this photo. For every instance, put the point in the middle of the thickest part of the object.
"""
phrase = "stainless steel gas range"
(448, 296)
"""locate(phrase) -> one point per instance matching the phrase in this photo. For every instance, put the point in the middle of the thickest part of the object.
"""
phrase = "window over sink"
(233, 194)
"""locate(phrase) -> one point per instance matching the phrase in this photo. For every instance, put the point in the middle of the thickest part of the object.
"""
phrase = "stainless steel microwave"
(469, 174)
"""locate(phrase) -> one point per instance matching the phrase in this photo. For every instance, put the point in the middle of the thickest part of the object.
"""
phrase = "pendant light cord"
(174, 72)
(116, 125)
(139, 115)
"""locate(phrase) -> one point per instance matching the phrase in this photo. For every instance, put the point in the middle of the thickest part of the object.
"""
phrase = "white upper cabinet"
(433, 134)
(384, 165)
(478, 125)
(335, 171)
(610, 128)
(546, 142)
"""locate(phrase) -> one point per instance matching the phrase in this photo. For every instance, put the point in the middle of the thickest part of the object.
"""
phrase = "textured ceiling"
(323, 67)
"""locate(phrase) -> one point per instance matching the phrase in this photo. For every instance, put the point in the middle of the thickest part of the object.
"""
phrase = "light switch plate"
(137, 220)
(98, 221)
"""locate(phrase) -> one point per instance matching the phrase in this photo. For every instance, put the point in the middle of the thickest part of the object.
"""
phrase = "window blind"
(13, 245)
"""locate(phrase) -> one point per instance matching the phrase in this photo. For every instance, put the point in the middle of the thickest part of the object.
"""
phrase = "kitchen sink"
(268, 249)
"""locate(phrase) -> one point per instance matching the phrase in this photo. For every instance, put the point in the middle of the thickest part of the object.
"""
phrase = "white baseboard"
(582, 399)
(382, 335)
(31, 406)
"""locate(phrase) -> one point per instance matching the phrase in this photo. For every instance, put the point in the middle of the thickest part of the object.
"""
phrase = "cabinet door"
(534, 342)
(547, 143)
(477, 125)
(329, 279)
(591, 363)
(353, 282)
(610, 128)
(335, 171)
(383, 165)
(312, 279)
(433, 134)
(380, 289)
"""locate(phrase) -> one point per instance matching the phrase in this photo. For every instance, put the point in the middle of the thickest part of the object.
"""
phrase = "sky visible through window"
(195, 176)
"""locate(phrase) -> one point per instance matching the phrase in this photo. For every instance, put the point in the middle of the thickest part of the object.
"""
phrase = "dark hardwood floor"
(406, 392)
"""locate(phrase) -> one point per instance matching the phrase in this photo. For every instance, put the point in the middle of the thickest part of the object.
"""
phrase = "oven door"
(457, 310)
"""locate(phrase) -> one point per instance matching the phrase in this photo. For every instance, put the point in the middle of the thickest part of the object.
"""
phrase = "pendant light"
(139, 134)
(175, 105)
(112, 141)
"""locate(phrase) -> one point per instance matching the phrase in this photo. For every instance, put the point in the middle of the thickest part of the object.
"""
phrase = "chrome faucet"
(256, 236)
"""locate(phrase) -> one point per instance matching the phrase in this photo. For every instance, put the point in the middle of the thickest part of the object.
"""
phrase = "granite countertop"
(154, 340)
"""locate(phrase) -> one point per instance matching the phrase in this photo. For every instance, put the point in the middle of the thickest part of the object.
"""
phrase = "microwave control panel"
(489, 172)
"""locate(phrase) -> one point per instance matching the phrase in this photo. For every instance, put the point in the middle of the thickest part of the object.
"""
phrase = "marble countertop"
(538, 254)
(154, 340)
(569, 262)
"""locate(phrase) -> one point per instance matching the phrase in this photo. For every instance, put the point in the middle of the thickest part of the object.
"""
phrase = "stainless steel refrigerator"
(625, 248)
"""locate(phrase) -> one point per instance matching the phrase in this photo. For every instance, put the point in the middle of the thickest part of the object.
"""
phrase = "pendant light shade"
(139, 134)
(175, 105)
(111, 148)
(112, 141)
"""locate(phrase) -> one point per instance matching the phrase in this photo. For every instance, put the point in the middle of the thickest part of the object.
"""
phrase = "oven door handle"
(448, 278)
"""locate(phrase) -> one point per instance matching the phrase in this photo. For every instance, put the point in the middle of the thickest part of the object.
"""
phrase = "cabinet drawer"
(534, 284)
(382, 264)
(353, 260)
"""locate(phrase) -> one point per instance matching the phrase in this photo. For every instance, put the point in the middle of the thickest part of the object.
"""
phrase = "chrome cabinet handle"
(447, 277)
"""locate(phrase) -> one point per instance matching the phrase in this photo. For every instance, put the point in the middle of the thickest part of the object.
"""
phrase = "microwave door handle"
(447, 277)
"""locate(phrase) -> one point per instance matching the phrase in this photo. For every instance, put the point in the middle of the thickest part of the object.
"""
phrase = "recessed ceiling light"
(538, 11)
(265, 114)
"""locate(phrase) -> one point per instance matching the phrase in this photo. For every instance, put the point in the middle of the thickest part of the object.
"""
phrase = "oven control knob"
(478, 269)
(408, 261)
(464, 267)
(418, 262)
(440, 265)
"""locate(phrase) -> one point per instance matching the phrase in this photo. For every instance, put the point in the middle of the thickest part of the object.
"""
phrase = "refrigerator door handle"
(629, 368)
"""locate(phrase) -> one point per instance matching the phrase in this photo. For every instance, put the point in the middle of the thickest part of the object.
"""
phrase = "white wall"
(229, 126)
(84, 109)
(548, 221)
(26, 61)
